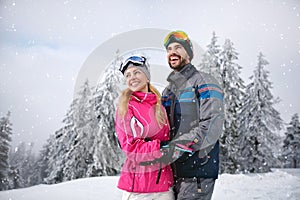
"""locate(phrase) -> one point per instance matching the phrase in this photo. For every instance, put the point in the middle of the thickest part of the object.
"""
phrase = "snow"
(279, 184)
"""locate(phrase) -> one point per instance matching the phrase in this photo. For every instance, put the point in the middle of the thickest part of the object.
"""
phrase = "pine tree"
(22, 163)
(233, 86)
(291, 144)
(30, 166)
(14, 178)
(16, 159)
(54, 163)
(76, 159)
(59, 145)
(260, 122)
(68, 148)
(42, 163)
(210, 61)
(5, 139)
(107, 157)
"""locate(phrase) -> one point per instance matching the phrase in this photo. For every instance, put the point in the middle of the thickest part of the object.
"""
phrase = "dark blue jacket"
(194, 103)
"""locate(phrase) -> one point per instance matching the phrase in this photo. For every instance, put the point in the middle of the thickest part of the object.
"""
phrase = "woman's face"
(136, 80)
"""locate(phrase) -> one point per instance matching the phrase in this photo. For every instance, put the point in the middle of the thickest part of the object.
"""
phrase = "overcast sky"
(44, 44)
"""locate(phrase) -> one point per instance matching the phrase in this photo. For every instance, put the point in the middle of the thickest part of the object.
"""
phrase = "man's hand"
(172, 152)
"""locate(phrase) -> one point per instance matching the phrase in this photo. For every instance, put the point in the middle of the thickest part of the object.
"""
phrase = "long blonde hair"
(159, 112)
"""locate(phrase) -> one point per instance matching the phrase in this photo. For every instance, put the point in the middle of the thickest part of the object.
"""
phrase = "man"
(194, 104)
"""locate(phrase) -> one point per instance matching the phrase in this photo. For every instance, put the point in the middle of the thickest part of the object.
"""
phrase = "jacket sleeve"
(135, 147)
(211, 115)
(203, 132)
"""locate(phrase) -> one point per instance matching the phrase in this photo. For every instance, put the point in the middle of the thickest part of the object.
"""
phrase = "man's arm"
(211, 115)
(204, 131)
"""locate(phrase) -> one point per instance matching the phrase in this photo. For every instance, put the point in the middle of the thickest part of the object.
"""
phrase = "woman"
(141, 127)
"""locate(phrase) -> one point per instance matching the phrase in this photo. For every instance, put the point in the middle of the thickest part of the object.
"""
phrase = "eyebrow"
(177, 45)
(133, 71)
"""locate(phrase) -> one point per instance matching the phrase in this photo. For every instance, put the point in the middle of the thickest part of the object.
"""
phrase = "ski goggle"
(177, 35)
(135, 60)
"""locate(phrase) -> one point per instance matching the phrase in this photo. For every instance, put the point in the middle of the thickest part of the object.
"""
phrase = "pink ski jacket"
(139, 136)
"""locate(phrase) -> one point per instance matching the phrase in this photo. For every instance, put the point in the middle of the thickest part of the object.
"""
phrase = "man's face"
(177, 56)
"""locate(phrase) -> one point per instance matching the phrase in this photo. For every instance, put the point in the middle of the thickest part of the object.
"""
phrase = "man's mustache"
(174, 54)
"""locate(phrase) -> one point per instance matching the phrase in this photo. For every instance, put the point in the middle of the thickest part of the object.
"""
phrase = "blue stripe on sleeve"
(211, 94)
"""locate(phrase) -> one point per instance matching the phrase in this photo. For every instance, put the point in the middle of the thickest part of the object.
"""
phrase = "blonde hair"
(159, 112)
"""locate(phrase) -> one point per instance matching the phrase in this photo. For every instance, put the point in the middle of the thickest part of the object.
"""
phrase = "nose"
(172, 51)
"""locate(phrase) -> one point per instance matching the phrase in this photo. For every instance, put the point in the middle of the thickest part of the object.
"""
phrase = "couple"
(170, 141)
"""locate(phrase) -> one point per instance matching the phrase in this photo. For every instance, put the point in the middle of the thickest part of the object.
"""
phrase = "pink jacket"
(139, 123)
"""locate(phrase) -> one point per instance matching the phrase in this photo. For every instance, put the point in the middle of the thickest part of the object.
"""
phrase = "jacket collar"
(144, 97)
(178, 78)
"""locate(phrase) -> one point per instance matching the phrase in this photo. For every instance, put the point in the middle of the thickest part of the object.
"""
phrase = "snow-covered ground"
(279, 184)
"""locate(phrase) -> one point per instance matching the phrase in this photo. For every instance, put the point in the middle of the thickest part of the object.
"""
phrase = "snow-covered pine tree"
(22, 162)
(56, 152)
(210, 61)
(95, 167)
(14, 178)
(29, 166)
(233, 86)
(16, 159)
(260, 123)
(35, 168)
(5, 139)
(291, 144)
(68, 149)
(59, 144)
(107, 156)
(77, 156)
(42, 162)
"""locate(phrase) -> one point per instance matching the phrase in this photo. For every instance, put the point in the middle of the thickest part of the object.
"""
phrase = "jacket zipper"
(172, 117)
(172, 124)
